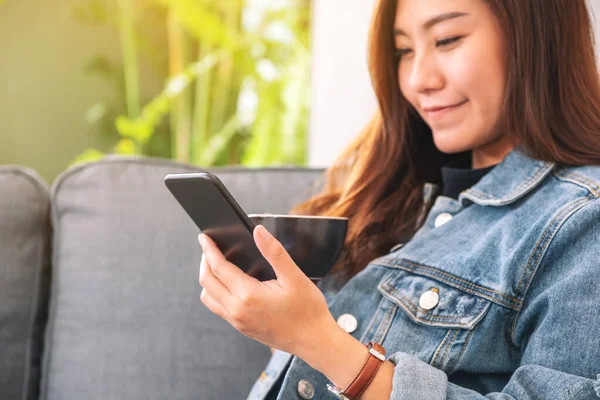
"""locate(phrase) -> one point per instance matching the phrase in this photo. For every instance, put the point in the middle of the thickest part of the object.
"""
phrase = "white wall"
(594, 6)
(342, 97)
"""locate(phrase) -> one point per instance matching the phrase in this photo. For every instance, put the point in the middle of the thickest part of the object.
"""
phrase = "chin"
(450, 142)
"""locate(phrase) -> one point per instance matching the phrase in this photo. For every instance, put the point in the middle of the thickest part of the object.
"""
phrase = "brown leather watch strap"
(356, 388)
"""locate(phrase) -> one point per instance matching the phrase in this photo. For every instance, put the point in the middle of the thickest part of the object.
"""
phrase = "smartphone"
(216, 213)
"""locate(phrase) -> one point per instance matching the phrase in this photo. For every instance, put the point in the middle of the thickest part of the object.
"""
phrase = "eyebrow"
(433, 21)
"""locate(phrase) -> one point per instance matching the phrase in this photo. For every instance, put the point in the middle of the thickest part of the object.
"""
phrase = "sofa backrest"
(24, 279)
(126, 320)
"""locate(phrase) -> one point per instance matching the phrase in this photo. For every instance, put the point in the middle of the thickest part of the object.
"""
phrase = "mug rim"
(324, 217)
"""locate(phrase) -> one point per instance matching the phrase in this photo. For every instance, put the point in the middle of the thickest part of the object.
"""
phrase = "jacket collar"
(508, 181)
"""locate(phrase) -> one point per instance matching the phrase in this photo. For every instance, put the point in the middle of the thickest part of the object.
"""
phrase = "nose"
(425, 75)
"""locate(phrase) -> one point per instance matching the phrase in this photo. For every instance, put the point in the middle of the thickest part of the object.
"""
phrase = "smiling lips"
(434, 113)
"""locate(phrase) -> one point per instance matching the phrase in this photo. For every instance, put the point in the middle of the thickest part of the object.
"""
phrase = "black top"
(457, 176)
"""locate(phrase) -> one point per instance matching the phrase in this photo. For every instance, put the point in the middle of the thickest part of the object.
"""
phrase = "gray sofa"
(99, 294)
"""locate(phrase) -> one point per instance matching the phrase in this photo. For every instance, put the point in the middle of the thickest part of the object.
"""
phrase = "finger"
(273, 251)
(232, 277)
(236, 250)
(210, 282)
(214, 306)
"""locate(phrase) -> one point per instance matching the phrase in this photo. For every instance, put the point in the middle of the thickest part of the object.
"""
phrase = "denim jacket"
(515, 267)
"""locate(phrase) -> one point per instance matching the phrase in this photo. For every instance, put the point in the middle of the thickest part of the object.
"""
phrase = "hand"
(288, 313)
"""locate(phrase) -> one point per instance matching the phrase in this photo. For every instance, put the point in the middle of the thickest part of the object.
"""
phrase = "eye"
(447, 41)
(402, 52)
(399, 53)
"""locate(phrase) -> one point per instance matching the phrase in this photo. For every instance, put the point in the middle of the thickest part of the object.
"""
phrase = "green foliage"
(236, 94)
(88, 155)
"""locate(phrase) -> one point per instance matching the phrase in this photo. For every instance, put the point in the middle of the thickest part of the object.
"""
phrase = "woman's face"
(452, 70)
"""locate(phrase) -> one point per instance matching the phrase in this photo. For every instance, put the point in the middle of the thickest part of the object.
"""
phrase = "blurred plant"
(237, 91)
(122, 77)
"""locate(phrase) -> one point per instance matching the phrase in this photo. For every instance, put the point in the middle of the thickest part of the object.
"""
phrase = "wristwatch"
(358, 385)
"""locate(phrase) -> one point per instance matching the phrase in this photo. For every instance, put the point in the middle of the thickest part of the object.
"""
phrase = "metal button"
(306, 390)
(347, 322)
(442, 219)
(429, 299)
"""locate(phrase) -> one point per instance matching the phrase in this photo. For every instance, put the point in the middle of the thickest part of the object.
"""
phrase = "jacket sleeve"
(557, 330)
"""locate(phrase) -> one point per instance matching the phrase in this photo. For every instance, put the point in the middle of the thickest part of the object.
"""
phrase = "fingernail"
(263, 233)
(201, 240)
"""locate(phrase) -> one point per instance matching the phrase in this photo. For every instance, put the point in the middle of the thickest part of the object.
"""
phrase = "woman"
(482, 165)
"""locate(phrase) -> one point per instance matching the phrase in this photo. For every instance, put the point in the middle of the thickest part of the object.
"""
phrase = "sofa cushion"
(126, 320)
(24, 279)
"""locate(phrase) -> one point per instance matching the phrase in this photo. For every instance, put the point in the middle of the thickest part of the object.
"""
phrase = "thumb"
(273, 251)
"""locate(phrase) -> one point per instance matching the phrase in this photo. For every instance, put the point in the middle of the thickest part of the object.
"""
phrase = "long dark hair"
(552, 108)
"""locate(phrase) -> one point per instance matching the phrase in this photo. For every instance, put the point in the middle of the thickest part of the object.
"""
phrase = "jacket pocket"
(433, 327)
(453, 308)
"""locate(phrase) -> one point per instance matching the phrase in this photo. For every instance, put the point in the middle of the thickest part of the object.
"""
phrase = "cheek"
(480, 77)
(464, 74)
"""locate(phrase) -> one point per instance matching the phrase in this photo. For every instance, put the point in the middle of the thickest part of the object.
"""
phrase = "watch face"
(337, 391)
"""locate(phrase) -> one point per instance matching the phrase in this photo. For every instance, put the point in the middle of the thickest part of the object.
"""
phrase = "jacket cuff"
(415, 379)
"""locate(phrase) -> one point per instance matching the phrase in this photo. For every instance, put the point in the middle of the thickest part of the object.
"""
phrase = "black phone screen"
(216, 213)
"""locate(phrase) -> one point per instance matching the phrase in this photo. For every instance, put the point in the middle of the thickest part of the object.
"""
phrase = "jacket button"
(442, 219)
(306, 390)
(347, 322)
(429, 299)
